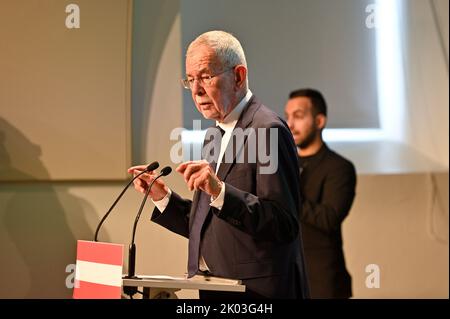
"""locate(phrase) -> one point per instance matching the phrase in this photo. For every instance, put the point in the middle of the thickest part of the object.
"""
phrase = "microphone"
(150, 167)
(132, 249)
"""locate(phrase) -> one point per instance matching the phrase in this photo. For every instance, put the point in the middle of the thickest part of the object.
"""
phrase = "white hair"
(227, 48)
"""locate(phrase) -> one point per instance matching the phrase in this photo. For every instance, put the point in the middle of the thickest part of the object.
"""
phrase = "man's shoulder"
(263, 116)
(338, 160)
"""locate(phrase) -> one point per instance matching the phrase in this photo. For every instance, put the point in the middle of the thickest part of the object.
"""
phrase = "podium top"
(199, 282)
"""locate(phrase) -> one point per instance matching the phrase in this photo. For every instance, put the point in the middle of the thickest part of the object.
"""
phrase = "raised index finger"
(182, 167)
(136, 168)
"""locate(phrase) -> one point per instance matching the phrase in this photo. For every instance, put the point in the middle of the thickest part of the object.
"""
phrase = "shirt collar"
(231, 119)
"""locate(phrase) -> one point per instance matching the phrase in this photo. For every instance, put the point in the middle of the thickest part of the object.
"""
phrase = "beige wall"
(65, 93)
(400, 223)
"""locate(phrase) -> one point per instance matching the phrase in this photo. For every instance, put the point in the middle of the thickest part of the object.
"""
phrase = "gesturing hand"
(159, 189)
(200, 175)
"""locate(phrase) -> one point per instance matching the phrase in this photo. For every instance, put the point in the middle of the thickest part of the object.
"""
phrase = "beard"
(307, 141)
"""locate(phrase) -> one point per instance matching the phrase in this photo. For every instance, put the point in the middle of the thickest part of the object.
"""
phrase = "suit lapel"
(244, 121)
(196, 197)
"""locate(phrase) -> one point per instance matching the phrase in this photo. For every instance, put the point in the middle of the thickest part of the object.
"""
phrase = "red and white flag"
(98, 273)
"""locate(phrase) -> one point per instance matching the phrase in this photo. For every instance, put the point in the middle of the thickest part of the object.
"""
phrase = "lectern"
(164, 287)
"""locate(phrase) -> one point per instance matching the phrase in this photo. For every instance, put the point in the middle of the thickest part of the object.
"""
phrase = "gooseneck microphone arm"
(149, 168)
(132, 249)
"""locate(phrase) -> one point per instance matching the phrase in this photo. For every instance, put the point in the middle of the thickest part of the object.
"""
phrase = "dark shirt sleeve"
(176, 215)
(270, 212)
(337, 194)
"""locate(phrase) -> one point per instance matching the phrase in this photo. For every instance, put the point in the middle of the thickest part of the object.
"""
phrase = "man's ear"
(240, 75)
(321, 121)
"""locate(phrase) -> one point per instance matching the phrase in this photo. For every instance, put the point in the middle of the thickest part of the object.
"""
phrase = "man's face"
(216, 100)
(301, 120)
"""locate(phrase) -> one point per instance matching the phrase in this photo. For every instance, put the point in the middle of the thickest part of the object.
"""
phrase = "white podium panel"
(164, 287)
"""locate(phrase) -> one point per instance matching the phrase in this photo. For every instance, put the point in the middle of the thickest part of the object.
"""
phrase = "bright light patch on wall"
(390, 68)
(352, 135)
(192, 141)
(193, 137)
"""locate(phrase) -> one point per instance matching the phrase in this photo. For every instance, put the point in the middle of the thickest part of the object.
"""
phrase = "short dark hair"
(317, 99)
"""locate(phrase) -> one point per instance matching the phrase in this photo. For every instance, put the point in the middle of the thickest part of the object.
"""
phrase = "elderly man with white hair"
(243, 220)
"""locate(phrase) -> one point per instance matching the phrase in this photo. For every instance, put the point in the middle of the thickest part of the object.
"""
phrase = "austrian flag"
(98, 273)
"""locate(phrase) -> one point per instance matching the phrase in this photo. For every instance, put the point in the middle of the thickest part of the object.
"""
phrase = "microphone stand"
(130, 291)
(150, 167)
(132, 248)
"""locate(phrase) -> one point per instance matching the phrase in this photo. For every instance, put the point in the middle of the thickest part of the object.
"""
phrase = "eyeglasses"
(205, 80)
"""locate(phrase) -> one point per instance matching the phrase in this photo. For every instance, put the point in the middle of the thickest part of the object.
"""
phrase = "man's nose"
(197, 89)
(290, 123)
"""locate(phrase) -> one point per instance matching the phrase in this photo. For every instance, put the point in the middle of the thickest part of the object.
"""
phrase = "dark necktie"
(203, 207)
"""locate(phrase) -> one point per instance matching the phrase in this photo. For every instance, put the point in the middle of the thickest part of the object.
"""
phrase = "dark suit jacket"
(328, 189)
(255, 237)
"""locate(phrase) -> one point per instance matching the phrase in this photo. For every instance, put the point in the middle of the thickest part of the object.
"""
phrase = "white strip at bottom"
(103, 274)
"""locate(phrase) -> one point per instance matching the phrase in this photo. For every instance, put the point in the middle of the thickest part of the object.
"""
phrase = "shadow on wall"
(152, 21)
(37, 241)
